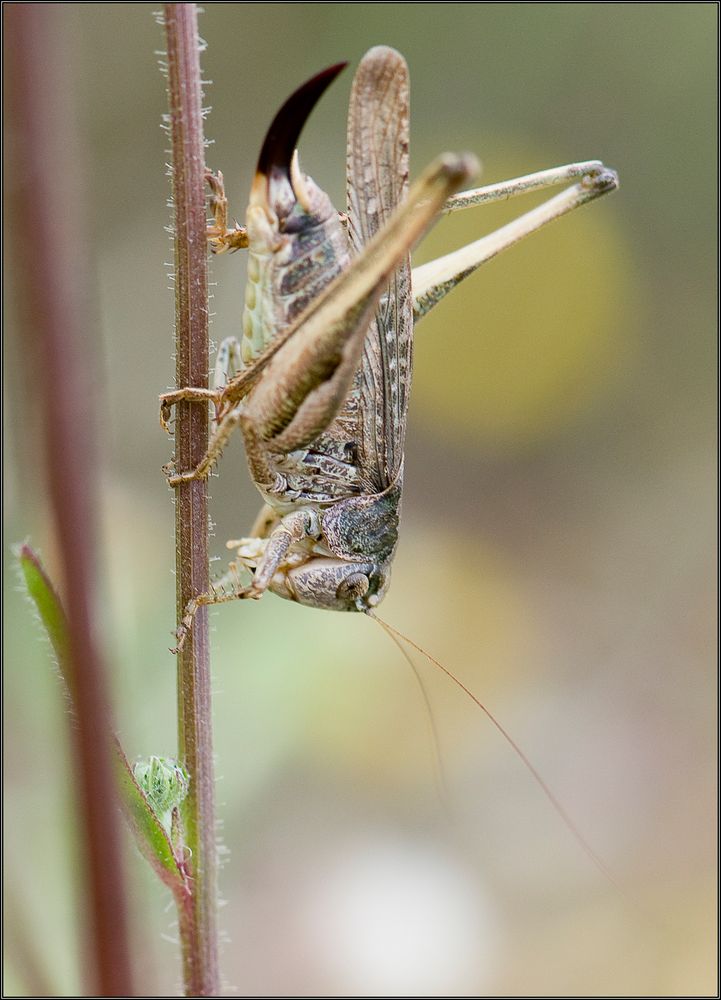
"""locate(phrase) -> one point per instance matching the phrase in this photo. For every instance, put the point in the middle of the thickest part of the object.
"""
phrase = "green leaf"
(51, 612)
(150, 835)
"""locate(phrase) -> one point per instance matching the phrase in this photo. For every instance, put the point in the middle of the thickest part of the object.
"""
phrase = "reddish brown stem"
(198, 920)
(53, 317)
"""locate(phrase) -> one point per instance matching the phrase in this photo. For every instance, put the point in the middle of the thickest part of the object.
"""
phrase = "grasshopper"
(319, 384)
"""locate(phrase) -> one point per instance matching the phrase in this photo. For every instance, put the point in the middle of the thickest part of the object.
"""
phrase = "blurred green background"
(558, 543)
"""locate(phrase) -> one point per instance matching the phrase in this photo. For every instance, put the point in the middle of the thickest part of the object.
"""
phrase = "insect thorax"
(364, 526)
(347, 566)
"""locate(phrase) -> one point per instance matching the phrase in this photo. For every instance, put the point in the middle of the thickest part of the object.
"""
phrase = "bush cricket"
(319, 383)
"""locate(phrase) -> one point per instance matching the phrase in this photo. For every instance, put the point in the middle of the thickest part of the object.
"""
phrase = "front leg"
(292, 528)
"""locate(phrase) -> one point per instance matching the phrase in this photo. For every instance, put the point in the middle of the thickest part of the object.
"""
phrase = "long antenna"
(559, 809)
(438, 769)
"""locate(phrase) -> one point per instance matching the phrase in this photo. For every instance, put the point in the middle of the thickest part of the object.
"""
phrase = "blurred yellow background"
(558, 542)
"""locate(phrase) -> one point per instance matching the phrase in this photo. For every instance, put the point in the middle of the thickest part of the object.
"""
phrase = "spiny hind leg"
(290, 529)
(590, 172)
(432, 281)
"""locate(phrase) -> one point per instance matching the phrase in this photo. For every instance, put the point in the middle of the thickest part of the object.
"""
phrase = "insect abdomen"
(296, 248)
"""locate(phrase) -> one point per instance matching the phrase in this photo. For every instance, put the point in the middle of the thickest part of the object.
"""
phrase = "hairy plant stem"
(54, 322)
(198, 914)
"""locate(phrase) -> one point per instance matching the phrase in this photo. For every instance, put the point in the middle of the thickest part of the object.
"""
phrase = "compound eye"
(355, 585)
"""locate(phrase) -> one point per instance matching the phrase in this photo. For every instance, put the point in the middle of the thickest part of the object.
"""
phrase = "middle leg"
(227, 364)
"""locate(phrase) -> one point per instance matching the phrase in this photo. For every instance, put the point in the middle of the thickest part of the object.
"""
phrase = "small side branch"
(197, 921)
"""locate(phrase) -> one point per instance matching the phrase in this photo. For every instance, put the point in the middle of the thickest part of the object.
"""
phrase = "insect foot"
(170, 473)
(225, 428)
(218, 595)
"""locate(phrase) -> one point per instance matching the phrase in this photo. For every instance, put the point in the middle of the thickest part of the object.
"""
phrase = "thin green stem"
(198, 918)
